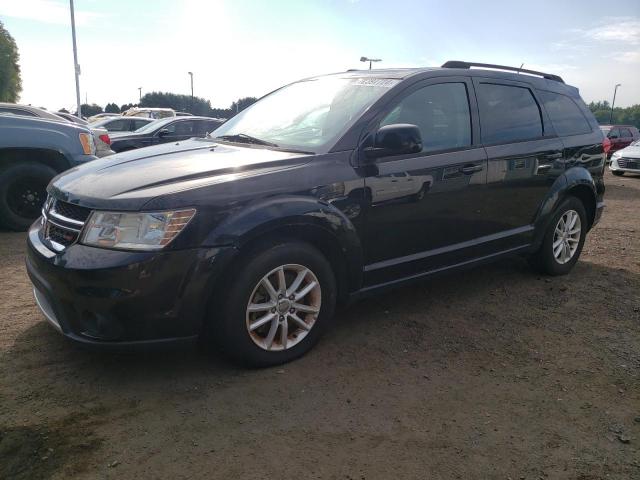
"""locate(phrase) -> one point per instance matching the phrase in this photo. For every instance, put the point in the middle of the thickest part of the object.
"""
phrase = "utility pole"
(615, 90)
(76, 66)
(139, 94)
(191, 75)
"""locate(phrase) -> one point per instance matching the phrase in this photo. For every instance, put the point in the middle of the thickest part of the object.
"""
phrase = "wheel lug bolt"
(281, 318)
(273, 310)
(280, 296)
(292, 310)
(291, 297)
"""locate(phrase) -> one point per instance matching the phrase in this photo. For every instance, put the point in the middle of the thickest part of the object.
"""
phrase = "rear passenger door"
(523, 153)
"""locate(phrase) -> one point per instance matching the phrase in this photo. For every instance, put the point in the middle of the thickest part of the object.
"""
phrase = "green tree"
(10, 81)
(627, 116)
(242, 103)
(112, 108)
(90, 110)
(178, 102)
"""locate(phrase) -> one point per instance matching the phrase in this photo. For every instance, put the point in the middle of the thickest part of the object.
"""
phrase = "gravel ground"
(490, 373)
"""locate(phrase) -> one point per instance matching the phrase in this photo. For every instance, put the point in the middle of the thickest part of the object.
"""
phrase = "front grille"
(632, 163)
(60, 236)
(71, 211)
(62, 223)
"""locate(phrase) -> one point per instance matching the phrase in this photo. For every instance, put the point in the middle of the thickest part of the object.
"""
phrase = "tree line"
(626, 116)
(178, 102)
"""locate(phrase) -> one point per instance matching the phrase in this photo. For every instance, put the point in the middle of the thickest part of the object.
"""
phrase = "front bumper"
(624, 166)
(111, 298)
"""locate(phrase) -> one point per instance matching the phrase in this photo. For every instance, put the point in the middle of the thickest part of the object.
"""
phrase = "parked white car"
(626, 160)
(155, 113)
(100, 135)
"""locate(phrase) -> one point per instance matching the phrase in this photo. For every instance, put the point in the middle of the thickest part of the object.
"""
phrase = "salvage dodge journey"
(322, 192)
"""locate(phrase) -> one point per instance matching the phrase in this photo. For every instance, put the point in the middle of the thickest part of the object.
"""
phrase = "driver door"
(433, 205)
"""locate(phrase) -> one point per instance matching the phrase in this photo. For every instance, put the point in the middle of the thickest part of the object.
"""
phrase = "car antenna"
(522, 65)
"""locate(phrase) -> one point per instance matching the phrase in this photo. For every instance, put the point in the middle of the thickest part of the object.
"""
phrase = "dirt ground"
(491, 373)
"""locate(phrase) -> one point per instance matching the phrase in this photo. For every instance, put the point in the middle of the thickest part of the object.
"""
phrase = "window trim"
(547, 127)
(392, 102)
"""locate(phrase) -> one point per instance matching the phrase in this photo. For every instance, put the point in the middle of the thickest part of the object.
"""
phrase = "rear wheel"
(617, 173)
(276, 307)
(563, 240)
(23, 191)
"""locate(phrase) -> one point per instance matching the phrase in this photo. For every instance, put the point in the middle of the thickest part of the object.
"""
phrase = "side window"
(614, 133)
(139, 124)
(441, 112)
(17, 111)
(118, 126)
(508, 114)
(185, 128)
(625, 133)
(565, 115)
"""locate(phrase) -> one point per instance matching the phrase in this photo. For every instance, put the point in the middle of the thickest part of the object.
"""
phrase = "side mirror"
(163, 132)
(396, 139)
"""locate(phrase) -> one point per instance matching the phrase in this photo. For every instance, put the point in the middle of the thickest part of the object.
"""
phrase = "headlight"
(88, 143)
(135, 231)
(616, 155)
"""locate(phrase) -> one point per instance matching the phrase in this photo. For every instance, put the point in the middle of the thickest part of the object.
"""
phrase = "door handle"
(470, 169)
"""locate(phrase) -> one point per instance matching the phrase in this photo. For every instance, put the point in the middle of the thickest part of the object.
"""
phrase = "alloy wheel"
(566, 236)
(283, 307)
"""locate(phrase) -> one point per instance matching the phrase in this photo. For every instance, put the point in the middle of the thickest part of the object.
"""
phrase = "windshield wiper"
(244, 138)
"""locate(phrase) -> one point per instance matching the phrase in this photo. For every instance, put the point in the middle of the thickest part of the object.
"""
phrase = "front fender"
(316, 220)
(575, 177)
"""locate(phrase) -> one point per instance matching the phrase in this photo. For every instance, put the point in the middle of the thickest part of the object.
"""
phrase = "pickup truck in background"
(32, 152)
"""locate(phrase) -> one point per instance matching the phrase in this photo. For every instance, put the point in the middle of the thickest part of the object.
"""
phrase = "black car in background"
(326, 190)
(165, 130)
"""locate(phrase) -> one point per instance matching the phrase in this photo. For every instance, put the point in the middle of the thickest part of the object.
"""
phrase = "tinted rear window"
(508, 113)
(565, 115)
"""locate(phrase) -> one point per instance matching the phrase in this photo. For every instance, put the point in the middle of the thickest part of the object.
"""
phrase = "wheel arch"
(577, 182)
(46, 156)
(300, 219)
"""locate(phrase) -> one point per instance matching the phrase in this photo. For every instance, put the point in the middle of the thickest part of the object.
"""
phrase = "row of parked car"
(36, 145)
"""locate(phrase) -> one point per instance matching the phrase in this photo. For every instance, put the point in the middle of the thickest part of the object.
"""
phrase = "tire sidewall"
(227, 321)
(550, 263)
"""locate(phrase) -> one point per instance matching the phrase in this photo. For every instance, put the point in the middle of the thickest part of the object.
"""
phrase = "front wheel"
(23, 191)
(563, 240)
(276, 307)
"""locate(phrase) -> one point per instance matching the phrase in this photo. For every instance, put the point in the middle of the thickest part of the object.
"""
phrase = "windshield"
(152, 126)
(310, 114)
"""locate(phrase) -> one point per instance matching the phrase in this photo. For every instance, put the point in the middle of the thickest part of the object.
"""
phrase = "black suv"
(323, 191)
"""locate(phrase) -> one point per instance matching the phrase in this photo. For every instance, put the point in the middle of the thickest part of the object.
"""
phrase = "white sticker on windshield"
(375, 82)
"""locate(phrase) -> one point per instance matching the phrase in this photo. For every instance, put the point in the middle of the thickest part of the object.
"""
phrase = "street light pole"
(370, 60)
(76, 66)
(191, 75)
(615, 90)
(139, 94)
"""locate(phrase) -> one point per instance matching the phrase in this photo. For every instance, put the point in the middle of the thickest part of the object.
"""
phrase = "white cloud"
(46, 11)
(628, 57)
(616, 30)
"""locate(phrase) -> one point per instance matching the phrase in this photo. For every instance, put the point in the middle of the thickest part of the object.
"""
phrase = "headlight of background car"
(88, 143)
(135, 231)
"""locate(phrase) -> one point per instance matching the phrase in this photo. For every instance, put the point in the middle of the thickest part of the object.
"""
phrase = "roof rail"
(458, 64)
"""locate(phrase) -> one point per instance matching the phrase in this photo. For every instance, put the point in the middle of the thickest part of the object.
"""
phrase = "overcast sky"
(247, 48)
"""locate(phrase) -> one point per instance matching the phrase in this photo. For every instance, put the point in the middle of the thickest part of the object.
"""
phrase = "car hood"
(130, 179)
(630, 152)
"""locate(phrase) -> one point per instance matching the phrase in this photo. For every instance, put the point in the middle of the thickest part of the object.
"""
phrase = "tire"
(545, 259)
(617, 173)
(229, 319)
(22, 193)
